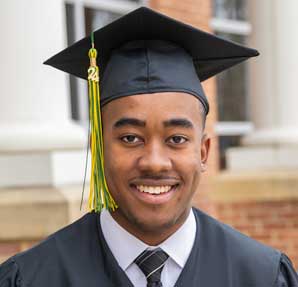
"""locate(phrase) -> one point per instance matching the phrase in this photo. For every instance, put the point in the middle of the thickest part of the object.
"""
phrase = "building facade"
(252, 177)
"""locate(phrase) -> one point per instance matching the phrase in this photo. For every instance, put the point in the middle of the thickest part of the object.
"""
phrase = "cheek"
(189, 168)
(118, 159)
(118, 166)
(111, 166)
(190, 159)
(114, 176)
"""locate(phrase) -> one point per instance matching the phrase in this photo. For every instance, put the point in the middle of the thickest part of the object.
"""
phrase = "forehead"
(157, 106)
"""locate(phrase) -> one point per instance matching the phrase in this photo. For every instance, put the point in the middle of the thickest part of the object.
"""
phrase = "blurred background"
(252, 178)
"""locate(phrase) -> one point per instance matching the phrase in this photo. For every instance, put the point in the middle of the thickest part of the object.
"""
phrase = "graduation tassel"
(99, 196)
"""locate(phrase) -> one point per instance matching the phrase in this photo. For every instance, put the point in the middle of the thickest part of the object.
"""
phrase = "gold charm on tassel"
(99, 196)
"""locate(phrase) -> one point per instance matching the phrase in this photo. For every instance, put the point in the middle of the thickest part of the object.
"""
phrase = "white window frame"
(233, 128)
(230, 26)
(113, 6)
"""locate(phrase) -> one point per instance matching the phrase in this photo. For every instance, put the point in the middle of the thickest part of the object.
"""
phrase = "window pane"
(232, 89)
(96, 19)
(230, 9)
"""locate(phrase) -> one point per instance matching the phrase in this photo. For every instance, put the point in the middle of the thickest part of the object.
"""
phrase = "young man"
(155, 150)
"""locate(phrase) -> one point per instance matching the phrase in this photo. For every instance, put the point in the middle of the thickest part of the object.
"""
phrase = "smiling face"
(154, 147)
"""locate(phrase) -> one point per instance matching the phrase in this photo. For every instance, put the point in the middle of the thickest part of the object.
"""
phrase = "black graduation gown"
(78, 256)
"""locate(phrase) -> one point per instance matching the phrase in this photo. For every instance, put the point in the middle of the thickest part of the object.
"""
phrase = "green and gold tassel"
(99, 196)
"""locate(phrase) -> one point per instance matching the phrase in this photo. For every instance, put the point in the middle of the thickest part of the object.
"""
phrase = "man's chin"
(154, 224)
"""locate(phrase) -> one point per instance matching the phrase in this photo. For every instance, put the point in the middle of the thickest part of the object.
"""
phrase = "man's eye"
(130, 139)
(178, 140)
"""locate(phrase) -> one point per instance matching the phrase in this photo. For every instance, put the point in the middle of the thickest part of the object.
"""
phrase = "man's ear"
(205, 147)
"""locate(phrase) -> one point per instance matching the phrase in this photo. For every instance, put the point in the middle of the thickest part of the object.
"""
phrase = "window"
(95, 18)
(82, 17)
(232, 89)
(230, 22)
(230, 9)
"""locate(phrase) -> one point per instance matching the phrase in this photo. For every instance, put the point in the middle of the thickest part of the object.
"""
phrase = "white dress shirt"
(125, 247)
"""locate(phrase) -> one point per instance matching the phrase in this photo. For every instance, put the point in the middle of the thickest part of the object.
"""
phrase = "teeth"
(154, 189)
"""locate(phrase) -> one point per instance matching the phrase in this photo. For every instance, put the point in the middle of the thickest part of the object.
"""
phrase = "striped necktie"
(151, 262)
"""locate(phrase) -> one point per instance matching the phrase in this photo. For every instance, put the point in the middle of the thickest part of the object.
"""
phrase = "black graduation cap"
(147, 52)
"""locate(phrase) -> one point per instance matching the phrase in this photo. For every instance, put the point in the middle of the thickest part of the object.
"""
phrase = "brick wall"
(274, 223)
(263, 205)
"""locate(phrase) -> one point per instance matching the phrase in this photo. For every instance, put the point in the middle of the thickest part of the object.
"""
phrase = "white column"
(273, 89)
(39, 144)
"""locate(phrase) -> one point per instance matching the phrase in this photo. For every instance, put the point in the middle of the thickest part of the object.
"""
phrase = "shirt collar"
(134, 247)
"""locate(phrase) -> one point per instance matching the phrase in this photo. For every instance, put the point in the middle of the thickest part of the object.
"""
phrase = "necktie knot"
(151, 262)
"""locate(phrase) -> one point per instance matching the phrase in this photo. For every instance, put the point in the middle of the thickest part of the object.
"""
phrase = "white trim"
(48, 168)
(231, 26)
(233, 128)
(41, 136)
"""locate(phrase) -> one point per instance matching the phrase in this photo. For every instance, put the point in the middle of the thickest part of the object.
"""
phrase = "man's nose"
(154, 158)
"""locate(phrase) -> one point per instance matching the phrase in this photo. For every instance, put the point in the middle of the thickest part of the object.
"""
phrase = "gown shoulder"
(253, 263)
(55, 261)
(287, 276)
(10, 274)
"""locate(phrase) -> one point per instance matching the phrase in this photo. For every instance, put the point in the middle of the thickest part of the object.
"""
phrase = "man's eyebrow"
(179, 122)
(129, 122)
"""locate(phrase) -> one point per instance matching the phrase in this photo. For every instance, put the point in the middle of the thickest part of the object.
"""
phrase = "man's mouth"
(152, 192)
(154, 189)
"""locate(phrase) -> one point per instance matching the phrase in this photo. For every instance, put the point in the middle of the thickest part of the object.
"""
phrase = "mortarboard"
(142, 52)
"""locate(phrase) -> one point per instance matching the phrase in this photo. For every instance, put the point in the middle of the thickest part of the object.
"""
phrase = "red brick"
(7, 248)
